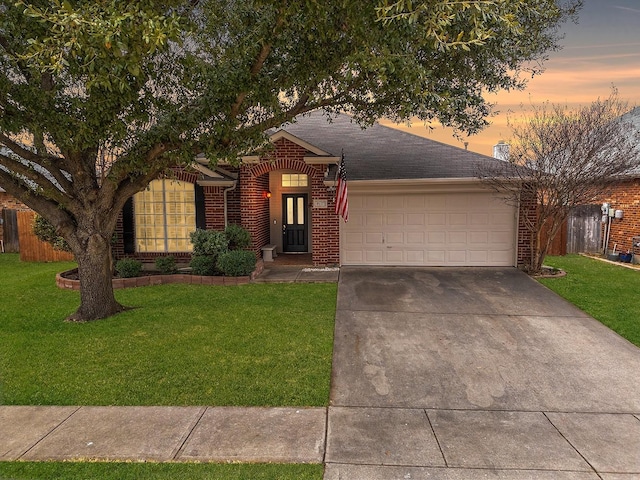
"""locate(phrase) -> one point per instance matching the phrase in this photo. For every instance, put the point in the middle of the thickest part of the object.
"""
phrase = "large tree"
(563, 157)
(97, 98)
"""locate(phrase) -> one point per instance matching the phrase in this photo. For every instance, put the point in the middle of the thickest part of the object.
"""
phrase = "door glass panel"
(290, 216)
(300, 210)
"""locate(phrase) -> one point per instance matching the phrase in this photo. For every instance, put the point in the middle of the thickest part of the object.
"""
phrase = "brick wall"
(528, 211)
(625, 197)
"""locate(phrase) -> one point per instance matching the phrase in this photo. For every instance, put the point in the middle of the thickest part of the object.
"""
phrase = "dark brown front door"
(294, 223)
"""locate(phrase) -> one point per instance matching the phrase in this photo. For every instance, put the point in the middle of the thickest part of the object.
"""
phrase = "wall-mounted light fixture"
(266, 194)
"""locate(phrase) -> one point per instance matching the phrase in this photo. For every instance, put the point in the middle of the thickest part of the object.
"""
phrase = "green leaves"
(102, 41)
(468, 24)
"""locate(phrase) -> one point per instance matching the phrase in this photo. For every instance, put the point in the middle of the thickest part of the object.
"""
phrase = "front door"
(294, 222)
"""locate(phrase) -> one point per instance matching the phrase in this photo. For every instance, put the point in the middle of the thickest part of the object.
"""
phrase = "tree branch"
(47, 162)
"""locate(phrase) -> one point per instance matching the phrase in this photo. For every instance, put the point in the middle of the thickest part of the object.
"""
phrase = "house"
(625, 197)
(412, 201)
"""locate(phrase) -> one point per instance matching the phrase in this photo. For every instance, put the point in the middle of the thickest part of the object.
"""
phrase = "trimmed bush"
(239, 238)
(47, 233)
(128, 268)
(237, 263)
(209, 242)
(203, 265)
(166, 265)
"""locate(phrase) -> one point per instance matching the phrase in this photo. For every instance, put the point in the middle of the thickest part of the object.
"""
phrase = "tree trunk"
(96, 290)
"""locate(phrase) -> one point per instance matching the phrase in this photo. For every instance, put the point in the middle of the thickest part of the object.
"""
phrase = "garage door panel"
(374, 220)
(437, 218)
(479, 219)
(415, 202)
(458, 219)
(436, 257)
(395, 237)
(457, 238)
(457, 201)
(429, 229)
(457, 257)
(374, 202)
(394, 202)
(394, 257)
(374, 257)
(415, 257)
(436, 238)
(478, 257)
(354, 238)
(373, 238)
(479, 238)
(434, 202)
(415, 219)
(394, 219)
(415, 238)
(501, 219)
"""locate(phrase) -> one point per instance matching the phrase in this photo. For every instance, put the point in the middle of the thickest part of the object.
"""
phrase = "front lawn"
(250, 345)
(157, 471)
(607, 292)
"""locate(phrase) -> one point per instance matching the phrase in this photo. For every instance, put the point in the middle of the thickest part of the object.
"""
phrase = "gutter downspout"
(224, 195)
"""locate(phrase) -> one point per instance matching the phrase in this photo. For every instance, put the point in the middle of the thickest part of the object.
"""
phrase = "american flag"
(342, 201)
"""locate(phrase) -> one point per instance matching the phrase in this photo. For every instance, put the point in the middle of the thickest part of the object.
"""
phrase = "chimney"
(501, 151)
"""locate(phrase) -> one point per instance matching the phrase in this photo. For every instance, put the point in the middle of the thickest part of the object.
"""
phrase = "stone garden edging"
(148, 280)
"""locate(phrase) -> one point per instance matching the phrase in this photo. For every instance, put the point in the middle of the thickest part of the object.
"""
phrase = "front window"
(165, 215)
(295, 180)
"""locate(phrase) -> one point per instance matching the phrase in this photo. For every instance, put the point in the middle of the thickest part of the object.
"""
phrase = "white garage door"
(437, 229)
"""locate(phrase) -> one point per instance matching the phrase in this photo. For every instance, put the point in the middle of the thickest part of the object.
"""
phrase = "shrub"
(236, 263)
(128, 268)
(203, 265)
(208, 242)
(166, 265)
(47, 233)
(238, 237)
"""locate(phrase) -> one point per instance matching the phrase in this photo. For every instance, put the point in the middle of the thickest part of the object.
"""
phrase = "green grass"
(250, 345)
(156, 471)
(607, 292)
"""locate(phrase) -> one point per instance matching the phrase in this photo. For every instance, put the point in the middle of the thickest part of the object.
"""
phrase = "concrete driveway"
(476, 373)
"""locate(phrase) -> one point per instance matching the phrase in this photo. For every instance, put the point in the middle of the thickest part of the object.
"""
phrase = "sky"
(601, 50)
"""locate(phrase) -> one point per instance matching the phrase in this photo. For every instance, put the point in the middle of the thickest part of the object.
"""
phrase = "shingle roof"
(384, 153)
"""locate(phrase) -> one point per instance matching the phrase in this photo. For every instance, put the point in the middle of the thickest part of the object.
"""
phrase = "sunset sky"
(602, 50)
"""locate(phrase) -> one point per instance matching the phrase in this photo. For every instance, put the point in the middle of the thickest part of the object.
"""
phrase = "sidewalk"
(162, 434)
(293, 274)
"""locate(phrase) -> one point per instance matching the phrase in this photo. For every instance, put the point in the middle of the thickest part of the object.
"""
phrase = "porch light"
(266, 194)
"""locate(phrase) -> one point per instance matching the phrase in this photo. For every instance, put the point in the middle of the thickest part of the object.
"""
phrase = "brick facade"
(254, 180)
(527, 211)
(626, 197)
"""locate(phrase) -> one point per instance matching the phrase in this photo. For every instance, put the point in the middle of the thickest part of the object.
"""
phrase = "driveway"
(476, 373)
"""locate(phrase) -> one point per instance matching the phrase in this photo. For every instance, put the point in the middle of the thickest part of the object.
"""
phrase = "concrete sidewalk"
(162, 434)
(294, 274)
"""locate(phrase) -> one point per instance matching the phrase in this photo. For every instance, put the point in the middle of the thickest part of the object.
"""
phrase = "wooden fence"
(32, 249)
(584, 227)
(10, 231)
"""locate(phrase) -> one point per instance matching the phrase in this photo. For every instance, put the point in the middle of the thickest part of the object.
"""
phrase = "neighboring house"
(412, 201)
(625, 196)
